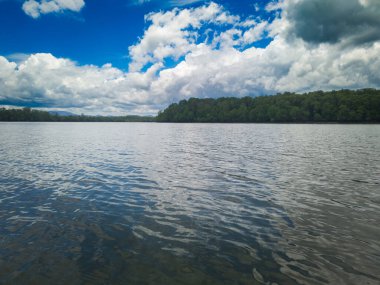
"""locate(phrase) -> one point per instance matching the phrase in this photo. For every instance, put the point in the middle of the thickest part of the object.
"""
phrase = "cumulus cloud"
(174, 33)
(227, 65)
(35, 8)
(278, 68)
(43, 80)
(214, 54)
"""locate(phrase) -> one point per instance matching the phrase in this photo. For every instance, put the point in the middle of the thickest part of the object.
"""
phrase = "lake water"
(146, 203)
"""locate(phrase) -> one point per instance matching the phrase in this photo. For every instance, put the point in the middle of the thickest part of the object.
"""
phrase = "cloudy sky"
(138, 56)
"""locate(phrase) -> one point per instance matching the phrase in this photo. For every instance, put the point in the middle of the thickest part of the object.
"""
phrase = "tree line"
(31, 115)
(344, 106)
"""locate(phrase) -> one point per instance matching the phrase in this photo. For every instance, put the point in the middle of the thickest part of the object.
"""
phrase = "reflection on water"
(114, 203)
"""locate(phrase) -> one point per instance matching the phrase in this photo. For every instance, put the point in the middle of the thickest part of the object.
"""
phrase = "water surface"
(145, 203)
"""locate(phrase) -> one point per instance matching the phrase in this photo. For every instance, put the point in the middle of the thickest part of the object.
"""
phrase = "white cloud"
(256, 33)
(174, 33)
(277, 68)
(48, 81)
(35, 8)
(216, 57)
(275, 5)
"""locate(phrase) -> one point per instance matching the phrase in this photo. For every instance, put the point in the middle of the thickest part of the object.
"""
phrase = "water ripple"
(189, 204)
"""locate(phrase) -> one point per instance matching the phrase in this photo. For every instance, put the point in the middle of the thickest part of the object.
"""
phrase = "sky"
(119, 57)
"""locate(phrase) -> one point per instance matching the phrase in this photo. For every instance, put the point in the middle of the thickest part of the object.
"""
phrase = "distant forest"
(29, 115)
(344, 106)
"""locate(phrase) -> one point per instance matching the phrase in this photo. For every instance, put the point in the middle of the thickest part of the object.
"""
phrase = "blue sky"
(138, 56)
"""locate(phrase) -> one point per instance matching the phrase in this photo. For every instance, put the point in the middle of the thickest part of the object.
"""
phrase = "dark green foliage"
(29, 115)
(345, 106)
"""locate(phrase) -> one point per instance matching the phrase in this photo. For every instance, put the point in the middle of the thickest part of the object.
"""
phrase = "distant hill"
(344, 106)
(62, 113)
(30, 115)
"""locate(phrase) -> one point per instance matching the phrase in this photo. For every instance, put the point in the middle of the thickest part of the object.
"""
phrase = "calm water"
(125, 203)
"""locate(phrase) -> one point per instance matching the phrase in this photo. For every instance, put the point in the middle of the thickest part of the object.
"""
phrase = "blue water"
(146, 203)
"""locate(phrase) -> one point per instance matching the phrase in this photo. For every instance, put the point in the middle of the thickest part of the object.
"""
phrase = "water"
(135, 203)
